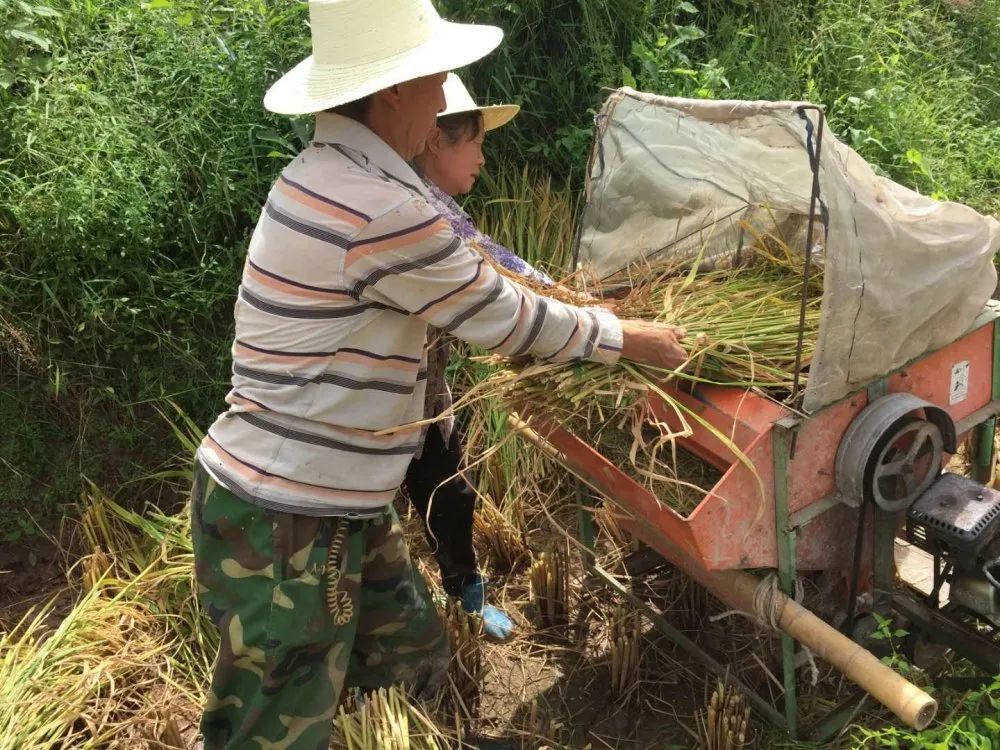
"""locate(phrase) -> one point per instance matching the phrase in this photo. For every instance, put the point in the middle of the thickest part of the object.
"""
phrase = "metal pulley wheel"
(893, 452)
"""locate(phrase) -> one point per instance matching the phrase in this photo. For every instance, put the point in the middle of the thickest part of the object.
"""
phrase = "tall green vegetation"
(135, 154)
(912, 84)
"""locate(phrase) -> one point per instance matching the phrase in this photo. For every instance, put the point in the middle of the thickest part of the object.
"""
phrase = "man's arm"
(409, 257)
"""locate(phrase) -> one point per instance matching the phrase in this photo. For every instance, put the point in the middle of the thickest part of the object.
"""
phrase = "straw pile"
(127, 667)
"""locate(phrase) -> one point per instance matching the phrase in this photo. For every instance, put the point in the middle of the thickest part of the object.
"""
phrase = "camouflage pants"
(305, 606)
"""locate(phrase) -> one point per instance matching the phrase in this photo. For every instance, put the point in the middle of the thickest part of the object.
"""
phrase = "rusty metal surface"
(733, 527)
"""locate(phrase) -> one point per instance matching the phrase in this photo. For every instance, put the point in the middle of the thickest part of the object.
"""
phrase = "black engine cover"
(956, 518)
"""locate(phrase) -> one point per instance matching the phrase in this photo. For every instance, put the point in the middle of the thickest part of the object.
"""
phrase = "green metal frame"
(983, 437)
(782, 446)
(786, 526)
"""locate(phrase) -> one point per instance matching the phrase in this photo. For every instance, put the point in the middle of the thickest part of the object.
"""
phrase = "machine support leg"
(786, 565)
(984, 435)
(982, 449)
(883, 536)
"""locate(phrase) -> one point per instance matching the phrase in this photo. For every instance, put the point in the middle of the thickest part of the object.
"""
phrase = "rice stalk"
(539, 727)
(502, 541)
(625, 633)
(530, 215)
(95, 568)
(169, 736)
(90, 683)
(688, 601)
(607, 522)
(154, 551)
(502, 460)
(128, 665)
(549, 579)
(724, 723)
(387, 719)
(465, 672)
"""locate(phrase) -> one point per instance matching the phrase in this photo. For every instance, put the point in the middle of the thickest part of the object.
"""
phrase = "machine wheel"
(893, 452)
(906, 462)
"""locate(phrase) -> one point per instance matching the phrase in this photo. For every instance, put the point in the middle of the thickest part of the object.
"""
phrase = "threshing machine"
(906, 371)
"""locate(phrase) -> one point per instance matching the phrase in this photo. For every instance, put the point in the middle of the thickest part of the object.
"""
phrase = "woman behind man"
(449, 166)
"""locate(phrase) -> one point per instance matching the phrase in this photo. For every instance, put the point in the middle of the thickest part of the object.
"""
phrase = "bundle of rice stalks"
(153, 552)
(549, 577)
(502, 541)
(387, 719)
(127, 667)
(743, 326)
(96, 681)
(742, 321)
(625, 633)
(465, 636)
(723, 725)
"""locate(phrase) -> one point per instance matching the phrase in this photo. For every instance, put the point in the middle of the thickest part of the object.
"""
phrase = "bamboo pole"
(736, 587)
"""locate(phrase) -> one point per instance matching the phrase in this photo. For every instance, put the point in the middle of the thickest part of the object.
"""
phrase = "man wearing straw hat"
(299, 556)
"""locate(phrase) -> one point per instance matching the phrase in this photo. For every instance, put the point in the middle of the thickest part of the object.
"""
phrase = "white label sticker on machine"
(959, 383)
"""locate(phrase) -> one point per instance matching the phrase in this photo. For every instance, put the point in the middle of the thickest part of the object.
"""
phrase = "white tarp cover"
(903, 274)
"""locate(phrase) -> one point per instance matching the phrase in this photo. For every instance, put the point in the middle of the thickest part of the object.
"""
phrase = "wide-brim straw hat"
(363, 46)
(458, 99)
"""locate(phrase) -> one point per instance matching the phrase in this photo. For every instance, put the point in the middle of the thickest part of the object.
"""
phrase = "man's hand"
(656, 344)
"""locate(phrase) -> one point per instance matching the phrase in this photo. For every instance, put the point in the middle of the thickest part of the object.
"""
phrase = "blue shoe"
(497, 626)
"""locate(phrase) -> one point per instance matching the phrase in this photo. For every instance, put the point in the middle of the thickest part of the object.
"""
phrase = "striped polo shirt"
(347, 267)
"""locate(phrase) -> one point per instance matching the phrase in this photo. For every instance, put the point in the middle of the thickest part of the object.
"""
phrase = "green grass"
(133, 161)
(912, 84)
(135, 155)
(53, 444)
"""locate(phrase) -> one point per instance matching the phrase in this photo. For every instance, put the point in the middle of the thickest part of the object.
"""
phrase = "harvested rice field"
(119, 657)
(127, 664)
